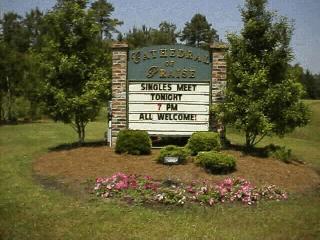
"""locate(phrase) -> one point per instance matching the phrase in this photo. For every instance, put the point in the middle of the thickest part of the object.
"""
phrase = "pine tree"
(198, 32)
(102, 11)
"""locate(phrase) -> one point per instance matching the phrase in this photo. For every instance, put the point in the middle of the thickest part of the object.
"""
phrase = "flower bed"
(139, 189)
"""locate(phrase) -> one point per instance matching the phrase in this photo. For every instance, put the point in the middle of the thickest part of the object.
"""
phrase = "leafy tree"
(198, 32)
(13, 47)
(312, 86)
(317, 83)
(13, 32)
(310, 82)
(120, 37)
(32, 86)
(75, 62)
(262, 96)
(102, 12)
(139, 37)
(34, 28)
(166, 34)
(144, 36)
(33, 24)
(12, 69)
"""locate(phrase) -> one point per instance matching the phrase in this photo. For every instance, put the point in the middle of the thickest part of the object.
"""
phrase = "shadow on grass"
(263, 152)
(22, 122)
(74, 145)
(78, 190)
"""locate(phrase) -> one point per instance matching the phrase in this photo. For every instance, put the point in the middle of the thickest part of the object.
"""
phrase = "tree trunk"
(80, 125)
(251, 140)
(1, 110)
(9, 96)
(83, 133)
(248, 141)
(33, 110)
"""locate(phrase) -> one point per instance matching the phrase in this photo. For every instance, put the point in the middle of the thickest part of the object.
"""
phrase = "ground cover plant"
(144, 189)
(281, 153)
(30, 210)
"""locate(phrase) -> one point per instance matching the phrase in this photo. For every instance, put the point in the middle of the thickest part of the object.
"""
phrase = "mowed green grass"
(30, 211)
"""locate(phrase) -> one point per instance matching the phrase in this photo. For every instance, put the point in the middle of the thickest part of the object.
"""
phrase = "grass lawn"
(30, 211)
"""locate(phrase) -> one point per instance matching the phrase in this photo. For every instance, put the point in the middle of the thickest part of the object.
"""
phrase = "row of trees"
(60, 63)
(310, 82)
(198, 32)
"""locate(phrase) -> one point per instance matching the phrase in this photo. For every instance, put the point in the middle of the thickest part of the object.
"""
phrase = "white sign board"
(171, 160)
(169, 108)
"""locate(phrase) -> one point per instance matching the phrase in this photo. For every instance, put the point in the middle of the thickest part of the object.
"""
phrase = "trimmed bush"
(203, 141)
(216, 162)
(135, 142)
(173, 151)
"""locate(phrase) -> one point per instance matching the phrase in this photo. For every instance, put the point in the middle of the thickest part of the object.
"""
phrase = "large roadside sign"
(169, 90)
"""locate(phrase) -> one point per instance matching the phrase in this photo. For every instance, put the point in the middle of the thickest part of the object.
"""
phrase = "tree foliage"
(77, 76)
(312, 85)
(62, 58)
(102, 11)
(144, 36)
(310, 82)
(13, 47)
(33, 27)
(198, 32)
(262, 96)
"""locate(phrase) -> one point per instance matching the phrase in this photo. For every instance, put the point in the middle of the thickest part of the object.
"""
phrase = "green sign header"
(169, 63)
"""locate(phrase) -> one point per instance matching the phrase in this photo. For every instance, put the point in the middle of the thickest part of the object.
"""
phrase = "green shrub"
(216, 162)
(203, 141)
(134, 142)
(280, 153)
(173, 151)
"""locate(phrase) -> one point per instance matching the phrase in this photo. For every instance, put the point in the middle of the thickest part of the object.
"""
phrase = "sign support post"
(218, 82)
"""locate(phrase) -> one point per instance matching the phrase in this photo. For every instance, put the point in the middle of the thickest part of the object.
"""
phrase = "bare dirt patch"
(87, 163)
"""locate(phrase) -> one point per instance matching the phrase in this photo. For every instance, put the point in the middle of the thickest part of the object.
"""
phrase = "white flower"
(97, 186)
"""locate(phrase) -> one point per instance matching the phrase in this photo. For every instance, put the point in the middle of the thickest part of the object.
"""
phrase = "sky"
(224, 16)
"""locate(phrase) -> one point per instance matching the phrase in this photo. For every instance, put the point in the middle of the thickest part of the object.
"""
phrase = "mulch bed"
(81, 164)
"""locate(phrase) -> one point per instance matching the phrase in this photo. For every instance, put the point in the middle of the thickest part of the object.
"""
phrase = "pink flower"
(228, 181)
(148, 177)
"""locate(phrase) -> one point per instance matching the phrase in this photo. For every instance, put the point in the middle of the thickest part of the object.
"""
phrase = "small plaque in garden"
(171, 160)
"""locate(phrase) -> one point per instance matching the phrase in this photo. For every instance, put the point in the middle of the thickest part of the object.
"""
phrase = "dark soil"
(76, 166)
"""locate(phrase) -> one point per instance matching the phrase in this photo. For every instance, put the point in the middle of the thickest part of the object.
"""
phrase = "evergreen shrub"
(135, 142)
(203, 141)
(173, 151)
(216, 162)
